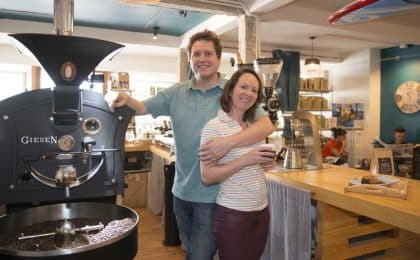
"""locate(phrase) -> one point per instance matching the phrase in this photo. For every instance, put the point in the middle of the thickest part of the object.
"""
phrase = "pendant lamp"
(312, 65)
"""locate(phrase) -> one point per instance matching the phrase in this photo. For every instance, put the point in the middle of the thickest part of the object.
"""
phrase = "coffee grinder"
(269, 70)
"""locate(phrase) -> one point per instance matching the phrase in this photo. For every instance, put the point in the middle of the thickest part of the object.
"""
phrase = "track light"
(183, 13)
(155, 32)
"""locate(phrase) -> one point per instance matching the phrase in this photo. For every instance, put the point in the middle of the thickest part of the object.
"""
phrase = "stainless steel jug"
(292, 159)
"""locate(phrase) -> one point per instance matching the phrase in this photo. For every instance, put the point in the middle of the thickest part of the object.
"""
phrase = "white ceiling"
(285, 24)
(291, 25)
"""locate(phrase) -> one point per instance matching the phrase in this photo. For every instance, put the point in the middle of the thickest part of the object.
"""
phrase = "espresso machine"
(269, 70)
(61, 156)
(311, 140)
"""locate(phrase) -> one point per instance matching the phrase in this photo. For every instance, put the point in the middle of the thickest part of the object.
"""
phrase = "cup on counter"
(270, 148)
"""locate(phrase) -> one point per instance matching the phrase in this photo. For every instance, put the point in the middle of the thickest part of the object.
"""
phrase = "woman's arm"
(213, 172)
(214, 149)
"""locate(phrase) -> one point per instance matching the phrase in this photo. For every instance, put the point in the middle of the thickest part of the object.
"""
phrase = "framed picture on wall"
(348, 115)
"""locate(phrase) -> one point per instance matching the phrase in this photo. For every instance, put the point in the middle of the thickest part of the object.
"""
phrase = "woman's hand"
(344, 142)
(261, 156)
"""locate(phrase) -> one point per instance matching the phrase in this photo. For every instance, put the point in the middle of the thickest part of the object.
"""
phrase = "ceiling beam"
(263, 6)
(217, 23)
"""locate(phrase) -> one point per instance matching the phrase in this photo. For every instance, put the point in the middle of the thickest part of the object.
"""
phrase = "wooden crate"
(342, 234)
(135, 195)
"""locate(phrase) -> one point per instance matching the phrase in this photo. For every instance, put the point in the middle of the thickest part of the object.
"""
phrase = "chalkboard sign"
(385, 165)
(382, 161)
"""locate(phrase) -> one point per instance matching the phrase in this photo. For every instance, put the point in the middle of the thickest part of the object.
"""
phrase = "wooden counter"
(328, 187)
(157, 149)
(137, 147)
(328, 184)
(163, 152)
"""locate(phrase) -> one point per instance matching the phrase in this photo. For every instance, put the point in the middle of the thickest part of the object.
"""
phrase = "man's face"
(204, 61)
(399, 137)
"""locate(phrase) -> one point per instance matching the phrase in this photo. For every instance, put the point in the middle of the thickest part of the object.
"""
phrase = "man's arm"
(214, 173)
(215, 148)
(125, 99)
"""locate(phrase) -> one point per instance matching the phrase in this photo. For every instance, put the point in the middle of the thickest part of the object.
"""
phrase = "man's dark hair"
(226, 97)
(206, 35)
(399, 130)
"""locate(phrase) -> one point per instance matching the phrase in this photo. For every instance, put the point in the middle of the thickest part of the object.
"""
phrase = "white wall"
(132, 63)
(356, 80)
(10, 55)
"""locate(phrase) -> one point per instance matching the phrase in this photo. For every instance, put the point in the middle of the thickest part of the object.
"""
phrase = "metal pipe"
(154, 17)
(63, 17)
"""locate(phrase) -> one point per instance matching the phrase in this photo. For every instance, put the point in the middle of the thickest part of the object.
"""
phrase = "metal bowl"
(123, 246)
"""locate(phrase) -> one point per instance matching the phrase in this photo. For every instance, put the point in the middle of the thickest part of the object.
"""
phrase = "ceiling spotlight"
(183, 13)
(155, 32)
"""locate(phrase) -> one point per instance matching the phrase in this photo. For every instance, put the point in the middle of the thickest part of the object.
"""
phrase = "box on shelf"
(314, 84)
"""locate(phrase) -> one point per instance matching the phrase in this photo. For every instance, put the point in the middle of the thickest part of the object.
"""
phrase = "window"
(13, 79)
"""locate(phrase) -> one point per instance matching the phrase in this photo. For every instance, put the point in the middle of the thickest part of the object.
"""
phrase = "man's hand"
(212, 150)
(120, 100)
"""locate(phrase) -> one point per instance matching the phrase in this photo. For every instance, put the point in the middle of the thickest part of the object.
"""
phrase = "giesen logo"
(38, 139)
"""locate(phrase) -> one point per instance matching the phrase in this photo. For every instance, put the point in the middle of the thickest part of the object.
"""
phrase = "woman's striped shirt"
(245, 190)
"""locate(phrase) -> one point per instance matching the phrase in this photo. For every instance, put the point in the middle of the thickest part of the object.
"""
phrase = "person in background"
(336, 147)
(241, 219)
(399, 135)
(190, 105)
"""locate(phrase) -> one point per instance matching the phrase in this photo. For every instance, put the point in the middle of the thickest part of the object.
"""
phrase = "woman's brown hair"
(226, 98)
(338, 131)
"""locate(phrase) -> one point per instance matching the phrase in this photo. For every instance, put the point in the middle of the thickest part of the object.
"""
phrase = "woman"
(336, 147)
(241, 217)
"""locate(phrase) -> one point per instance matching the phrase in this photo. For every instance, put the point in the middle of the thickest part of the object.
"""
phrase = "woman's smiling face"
(245, 92)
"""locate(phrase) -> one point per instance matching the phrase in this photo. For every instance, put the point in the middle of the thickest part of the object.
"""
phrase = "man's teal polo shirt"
(189, 109)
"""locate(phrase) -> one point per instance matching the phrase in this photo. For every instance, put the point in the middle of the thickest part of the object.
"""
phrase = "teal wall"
(393, 73)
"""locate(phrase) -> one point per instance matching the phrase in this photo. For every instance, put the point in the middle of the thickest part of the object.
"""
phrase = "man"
(399, 135)
(190, 105)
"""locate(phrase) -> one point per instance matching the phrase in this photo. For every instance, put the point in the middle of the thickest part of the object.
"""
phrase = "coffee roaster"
(61, 157)
(59, 147)
(62, 144)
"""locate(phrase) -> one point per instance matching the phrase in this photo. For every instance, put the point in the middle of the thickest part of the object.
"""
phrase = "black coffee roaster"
(61, 150)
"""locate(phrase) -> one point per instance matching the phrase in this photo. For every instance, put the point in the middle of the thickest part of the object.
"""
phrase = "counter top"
(162, 151)
(137, 146)
(328, 184)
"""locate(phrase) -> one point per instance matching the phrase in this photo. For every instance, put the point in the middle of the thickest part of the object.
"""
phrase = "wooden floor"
(150, 235)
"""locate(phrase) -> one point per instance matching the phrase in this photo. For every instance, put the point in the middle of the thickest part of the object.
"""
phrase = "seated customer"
(336, 147)
(399, 135)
